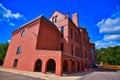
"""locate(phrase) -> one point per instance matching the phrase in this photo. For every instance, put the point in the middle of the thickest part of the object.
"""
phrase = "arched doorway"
(73, 66)
(51, 66)
(38, 65)
(65, 66)
(78, 66)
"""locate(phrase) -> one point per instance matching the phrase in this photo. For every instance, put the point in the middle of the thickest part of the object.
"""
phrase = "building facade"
(57, 45)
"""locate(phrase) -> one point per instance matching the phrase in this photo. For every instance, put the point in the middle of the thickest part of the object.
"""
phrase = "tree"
(3, 50)
(110, 55)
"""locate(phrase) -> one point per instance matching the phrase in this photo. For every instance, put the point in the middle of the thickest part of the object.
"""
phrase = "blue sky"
(101, 17)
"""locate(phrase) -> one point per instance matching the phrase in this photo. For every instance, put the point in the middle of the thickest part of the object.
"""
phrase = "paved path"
(103, 75)
(91, 75)
(41, 75)
(13, 76)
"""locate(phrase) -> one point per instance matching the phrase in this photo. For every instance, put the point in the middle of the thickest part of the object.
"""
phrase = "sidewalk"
(74, 76)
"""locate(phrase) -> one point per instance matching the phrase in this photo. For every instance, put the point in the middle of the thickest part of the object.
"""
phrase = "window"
(71, 34)
(62, 31)
(54, 19)
(18, 50)
(15, 63)
(23, 32)
(71, 49)
(62, 47)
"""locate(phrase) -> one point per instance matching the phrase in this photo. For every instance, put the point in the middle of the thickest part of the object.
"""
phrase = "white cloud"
(112, 37)
(8, 41)
(7, 15)
(11, 24)
(17, 15)
(105, 44)
(110, 27)
(100, 44)
(116, 12)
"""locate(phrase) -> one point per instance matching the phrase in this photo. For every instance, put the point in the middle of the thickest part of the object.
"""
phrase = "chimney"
(75, 19)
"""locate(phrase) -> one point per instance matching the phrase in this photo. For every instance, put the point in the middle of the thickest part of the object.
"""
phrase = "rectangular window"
(71, 34)
(15, 63)
(71, 49)
(62, 47)
(56, 18)
(62, 31)
(53, 19)
(18, 50)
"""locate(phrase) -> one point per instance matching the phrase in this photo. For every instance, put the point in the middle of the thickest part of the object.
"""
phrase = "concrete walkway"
(103, 75)
(48, 76)
(13, 76)
(90, 75)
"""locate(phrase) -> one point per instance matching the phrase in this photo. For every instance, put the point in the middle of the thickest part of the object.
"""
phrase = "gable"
(59, 15)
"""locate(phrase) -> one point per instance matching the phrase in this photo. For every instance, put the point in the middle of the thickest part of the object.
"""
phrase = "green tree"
(3, 50)
(109, 55)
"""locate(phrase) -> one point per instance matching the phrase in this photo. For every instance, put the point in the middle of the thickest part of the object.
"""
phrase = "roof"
(39, 17)
(30, 21)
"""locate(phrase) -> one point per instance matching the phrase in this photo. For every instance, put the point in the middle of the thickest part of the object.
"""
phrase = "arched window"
(55, 19)
(18, 50)
(23, 32)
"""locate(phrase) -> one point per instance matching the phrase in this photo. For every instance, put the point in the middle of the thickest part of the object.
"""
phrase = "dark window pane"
(18, 49)
(53, 19)
(62, 31)
(15, 63)
(23, 33)
(56, 17)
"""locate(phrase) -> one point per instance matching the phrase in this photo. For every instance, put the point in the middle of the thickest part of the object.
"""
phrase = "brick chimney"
(75, 19)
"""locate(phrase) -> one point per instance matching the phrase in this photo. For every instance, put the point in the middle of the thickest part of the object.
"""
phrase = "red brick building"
(57, 45)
